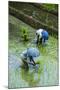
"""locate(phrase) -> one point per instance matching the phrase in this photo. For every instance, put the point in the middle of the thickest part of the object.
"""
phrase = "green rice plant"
(24, 33)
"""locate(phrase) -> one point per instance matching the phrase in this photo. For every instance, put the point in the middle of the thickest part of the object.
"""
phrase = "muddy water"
(45, 73)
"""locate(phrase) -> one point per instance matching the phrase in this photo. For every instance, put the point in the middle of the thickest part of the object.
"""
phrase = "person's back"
(39, 32)
(42, 36)
(45, 35)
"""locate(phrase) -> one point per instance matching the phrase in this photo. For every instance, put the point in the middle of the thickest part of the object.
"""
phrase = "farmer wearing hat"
(27, 56)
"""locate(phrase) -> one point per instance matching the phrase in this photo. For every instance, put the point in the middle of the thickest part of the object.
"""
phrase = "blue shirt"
(45, 35)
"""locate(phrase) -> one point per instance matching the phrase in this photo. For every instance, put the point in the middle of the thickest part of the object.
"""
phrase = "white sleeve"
(22, 55)
(39, 32)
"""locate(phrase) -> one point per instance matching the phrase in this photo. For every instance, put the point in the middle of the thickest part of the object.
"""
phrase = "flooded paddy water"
(47, 72)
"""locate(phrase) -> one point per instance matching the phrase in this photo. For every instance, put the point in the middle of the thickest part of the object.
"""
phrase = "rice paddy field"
(46, 72)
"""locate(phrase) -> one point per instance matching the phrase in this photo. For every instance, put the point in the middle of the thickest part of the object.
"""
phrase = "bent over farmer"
(27, 56)
(42, 36)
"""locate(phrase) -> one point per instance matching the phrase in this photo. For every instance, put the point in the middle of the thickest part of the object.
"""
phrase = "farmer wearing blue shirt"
(42, 36)
(27, 56)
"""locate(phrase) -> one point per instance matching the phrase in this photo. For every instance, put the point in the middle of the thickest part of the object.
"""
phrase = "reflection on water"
(20, 76)
(46, 71)
(30, 77)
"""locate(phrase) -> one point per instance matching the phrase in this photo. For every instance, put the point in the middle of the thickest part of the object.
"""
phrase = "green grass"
(50, 7)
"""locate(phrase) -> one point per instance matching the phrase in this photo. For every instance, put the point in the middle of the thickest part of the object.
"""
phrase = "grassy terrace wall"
(47, 8)
(34, 16)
